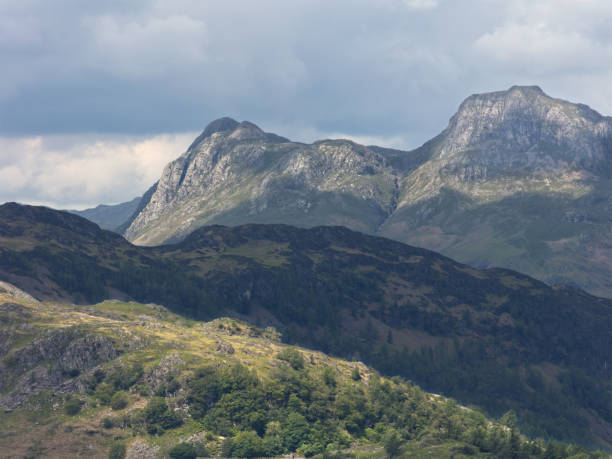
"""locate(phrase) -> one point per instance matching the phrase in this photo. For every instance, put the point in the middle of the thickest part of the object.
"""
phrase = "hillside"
(110, 217)
(494, 338)
(518, 180)
(115, 376)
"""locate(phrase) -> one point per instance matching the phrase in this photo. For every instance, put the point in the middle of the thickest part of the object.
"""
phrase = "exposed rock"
(141, 450)
(149, 322)
(509, 156)
(167, 367)
(17, 293)
(241, 168)
(225, 348)
(52, 362)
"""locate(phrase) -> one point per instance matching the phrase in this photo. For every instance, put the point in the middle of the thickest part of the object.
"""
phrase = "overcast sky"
(96, 97)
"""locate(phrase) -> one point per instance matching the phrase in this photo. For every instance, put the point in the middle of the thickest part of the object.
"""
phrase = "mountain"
(110, 217)
(116, 377)
(235, 172)
(518, 180)
(494, 337)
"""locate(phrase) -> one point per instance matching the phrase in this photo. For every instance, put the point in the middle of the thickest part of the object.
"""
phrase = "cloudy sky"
(95, 97)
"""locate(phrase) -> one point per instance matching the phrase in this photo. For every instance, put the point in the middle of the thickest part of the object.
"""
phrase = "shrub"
(329, 377)
(392, 443)
(246, 444)
(293, 357)
(183, 451)
(355, 375)
(295, 432)
(125, 376)
(117, 451)
(72, 406)
(119, 401)
(105, 393)
(158, 417)
(107, 423)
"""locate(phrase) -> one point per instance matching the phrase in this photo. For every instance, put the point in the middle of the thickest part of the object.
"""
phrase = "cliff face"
(518, 179)
(523, 127)
(515, 141)
(236, 172)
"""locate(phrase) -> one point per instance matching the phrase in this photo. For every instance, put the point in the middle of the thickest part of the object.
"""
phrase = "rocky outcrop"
(235, 171)
(510, 165)
(54, 361)
(141, 450)
(523, 127)
(10, 289)
(168, 367)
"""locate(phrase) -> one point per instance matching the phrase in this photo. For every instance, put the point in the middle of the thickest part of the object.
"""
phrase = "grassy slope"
(550, 236)
(491, 337)
(41, 427)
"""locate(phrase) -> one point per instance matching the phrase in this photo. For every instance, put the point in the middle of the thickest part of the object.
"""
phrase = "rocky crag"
(518, 179)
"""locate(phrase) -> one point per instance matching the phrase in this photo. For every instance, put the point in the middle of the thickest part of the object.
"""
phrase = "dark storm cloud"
(389, 70)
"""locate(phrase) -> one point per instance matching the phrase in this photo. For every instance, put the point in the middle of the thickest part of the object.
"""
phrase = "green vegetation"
(117, 451)
(490, 338)
(158, 417)
(265, 399)
(183, 451)
(392, 442)
(293, 357)
(72, 406)
(119, 400)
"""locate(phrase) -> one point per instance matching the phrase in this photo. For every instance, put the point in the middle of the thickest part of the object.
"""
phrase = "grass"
(42, 427)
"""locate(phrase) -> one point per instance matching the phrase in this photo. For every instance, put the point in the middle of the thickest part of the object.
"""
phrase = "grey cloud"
(393, 70)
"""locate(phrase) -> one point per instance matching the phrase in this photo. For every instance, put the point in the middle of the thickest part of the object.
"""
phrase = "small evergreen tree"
(119, 401)
(247, 444)
(183, 451)
(392, 443)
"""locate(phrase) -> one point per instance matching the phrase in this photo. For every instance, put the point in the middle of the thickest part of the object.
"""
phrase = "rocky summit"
(518, 179)
(235, 173)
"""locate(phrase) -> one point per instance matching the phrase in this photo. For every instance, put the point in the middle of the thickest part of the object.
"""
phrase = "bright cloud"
(80, 171)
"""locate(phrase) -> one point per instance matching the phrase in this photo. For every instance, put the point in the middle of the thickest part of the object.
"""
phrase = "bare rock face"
(14, 291)
(52, 362)
(237, 172)
(524, 128)
(510, 166)
(225, 348)
(141, 450)
(168, 366)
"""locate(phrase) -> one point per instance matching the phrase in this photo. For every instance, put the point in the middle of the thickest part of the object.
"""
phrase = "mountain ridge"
(492, 337)
(110, 217)
(503, 155)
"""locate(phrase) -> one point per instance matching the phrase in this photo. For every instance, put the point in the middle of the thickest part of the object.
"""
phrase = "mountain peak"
(247, 130)
(236, 131)
(218, 125)
(503, 126)
(527, 89)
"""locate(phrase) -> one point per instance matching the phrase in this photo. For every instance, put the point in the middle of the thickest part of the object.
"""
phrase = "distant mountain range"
(494, 337)
(518, 180)
(110, 217)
